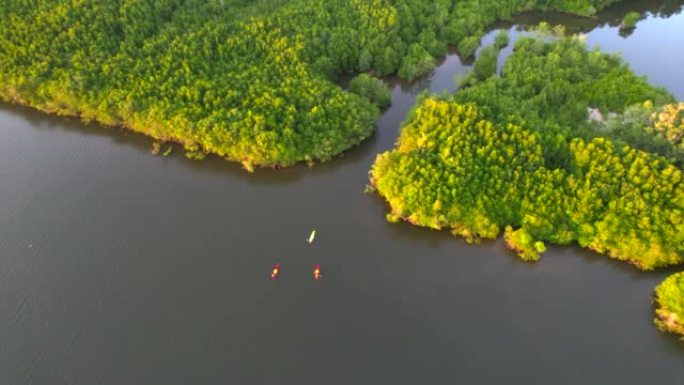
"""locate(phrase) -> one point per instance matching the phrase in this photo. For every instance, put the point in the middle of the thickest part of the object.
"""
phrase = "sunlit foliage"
(655, 129)
(251, 81)
(517, 152)
(669, 296)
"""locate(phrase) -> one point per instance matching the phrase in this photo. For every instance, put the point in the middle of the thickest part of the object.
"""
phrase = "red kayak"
(317, 272)
(275, 273)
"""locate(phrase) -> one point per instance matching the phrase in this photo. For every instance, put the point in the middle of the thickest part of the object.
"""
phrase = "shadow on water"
(404, 92)
(282, 176)
(50, 122)
(212, 164)
(360, 157)
(446, 68)
(426, 236)
(593, 258)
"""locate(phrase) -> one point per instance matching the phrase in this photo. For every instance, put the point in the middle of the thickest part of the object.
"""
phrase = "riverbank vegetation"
(669, 298)
(371, 88)
(517, 152)
(253, 82)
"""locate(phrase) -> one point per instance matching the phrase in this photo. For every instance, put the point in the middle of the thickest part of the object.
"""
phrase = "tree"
(372, 88)
(485, 65)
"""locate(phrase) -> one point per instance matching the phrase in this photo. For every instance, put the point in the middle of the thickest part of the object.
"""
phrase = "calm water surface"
(117, 267)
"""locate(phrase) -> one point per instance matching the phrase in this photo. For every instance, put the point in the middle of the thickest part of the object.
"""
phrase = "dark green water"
(117, 267)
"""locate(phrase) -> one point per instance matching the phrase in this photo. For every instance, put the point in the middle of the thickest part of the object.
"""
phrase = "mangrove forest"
(565, 145)
(250, 81)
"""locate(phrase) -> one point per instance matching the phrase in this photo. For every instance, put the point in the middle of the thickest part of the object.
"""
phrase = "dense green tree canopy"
(669, 296)
(485, 65)
(372, 88)
(252, 81)
(501, 39)
(487, 159)
(656, 129)
(549, 86)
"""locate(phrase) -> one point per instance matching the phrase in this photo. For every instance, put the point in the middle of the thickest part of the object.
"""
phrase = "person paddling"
(275, 273)
(317, 272)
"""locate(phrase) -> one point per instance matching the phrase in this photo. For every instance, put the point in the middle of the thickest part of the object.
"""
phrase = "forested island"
(250, 81)
(516, 153)
(566, 145)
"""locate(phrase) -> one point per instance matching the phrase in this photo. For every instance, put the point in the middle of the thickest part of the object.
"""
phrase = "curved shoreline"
(499, 153)
(269, 146)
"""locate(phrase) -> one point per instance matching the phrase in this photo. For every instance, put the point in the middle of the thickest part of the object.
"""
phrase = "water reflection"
(609, 17)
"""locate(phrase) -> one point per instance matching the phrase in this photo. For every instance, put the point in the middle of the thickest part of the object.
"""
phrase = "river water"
(117, 267)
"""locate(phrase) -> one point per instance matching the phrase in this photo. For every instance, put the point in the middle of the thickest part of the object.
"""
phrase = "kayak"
(317, 272)
(312, 236)
(275, 273)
